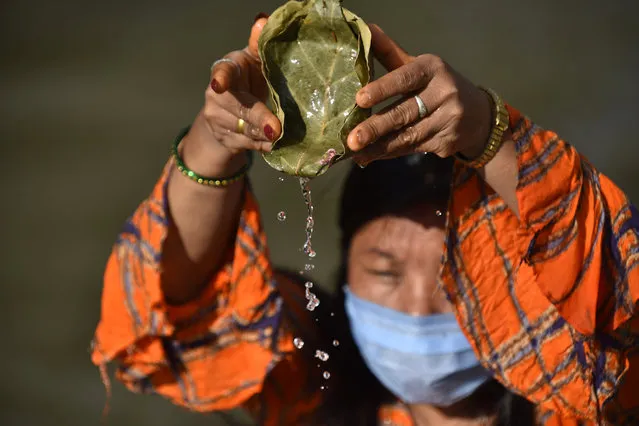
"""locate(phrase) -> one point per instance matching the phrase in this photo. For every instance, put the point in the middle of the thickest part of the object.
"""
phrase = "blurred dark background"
(92, 94)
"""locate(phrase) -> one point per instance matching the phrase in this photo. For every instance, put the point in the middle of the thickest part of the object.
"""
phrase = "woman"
(538, 268)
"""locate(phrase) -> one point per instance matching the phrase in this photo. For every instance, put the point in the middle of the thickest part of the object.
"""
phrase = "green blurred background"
(92, 93)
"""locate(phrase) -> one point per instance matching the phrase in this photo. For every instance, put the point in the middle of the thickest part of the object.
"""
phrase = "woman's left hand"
(457, 117)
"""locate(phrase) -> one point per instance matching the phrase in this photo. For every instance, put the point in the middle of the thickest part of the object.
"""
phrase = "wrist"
(203, 154)
(477, 146)
(497, 125)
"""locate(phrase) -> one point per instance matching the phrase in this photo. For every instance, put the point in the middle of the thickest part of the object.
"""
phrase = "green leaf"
(315, 58)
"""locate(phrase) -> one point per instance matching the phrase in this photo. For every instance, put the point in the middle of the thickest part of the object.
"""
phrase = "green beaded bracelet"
(208, 181)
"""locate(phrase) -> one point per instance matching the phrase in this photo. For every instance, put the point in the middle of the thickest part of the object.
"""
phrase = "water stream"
(307, 248)
(310, 222)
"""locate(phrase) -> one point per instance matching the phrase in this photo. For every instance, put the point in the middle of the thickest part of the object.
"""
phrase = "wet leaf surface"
(315, 57)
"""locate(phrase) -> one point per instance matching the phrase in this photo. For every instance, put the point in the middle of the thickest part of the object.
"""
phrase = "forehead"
(418, 226)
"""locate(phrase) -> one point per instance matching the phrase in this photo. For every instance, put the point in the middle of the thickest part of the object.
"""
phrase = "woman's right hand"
(237, 91)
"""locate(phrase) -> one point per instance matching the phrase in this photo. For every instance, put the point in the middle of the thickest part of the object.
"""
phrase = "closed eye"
(381, 263)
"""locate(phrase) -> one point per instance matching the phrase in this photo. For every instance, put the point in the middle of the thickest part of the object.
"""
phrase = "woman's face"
(394, 262)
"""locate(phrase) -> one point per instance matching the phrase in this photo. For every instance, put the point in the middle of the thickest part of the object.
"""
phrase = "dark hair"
(390, 187)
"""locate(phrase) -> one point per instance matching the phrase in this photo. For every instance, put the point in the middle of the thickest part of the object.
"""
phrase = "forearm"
(501, 173)
(203, 220)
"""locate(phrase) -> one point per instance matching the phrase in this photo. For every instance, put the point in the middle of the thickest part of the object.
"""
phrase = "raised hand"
(439, 111)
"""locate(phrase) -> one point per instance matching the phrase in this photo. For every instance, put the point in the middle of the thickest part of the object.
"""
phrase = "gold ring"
(240, 125)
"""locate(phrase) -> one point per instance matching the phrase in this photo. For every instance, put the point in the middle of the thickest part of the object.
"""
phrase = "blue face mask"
(425, 359)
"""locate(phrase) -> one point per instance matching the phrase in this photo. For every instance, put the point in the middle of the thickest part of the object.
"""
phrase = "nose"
(418, 294)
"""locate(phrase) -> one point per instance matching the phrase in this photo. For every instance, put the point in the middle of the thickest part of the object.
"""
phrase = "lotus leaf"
(315, 58)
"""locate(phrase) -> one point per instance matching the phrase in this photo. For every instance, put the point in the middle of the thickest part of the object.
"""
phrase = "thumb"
(386, 50)
(256, 31)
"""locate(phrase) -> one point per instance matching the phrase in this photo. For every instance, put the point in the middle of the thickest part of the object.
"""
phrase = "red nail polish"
(260, 16)
(269, 132)
(216, 86)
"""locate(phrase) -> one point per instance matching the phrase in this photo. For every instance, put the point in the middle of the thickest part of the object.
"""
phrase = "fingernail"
(351, 141)
(216, 86)
(269, 132)
(260, 16)
(359, 139)
(363, 98)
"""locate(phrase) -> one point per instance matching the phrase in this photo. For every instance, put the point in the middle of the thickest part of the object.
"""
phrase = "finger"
(223, 126)
(260, 121)
(408, 78)
(238, 141)
(415, 138)
(257, 82)
(392, 118)
(231, 123)
(230, 74)
(414, 75)
(241, 142)
(256, 31)
(386, 50)
(258, 86)
(446, 120)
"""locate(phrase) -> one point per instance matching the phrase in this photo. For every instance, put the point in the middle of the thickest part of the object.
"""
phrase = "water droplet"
(313, 301)
(281, 216)
(312, 253)
(281, 179)
(299, 343)
(309, 267)
(326, 375)
(336, 343)
(322, 387)
(332, 314)
(438, 213)
(323, 356)
(312, 304)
